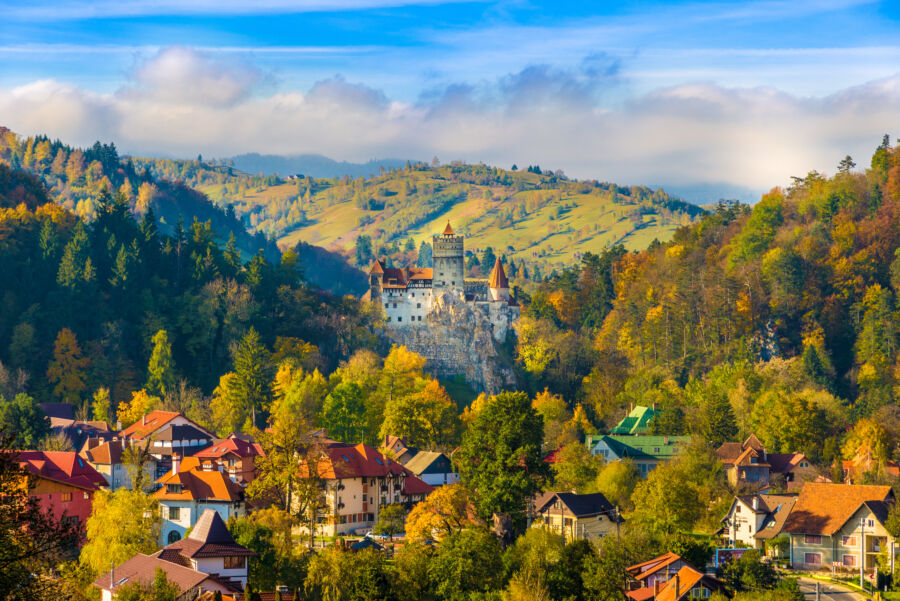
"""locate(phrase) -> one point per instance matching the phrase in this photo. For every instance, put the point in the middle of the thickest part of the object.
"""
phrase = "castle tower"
(376, 279)
(447, 261)
(499, 285)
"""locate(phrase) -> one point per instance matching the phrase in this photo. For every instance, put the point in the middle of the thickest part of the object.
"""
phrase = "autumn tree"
(427, 418)
(140, 404)
(445, 510)
(67, 369)
(122, 524)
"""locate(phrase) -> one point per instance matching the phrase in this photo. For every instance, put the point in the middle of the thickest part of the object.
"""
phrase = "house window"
(365, 498)
(87, 495)
(235, 563)
(737, 509)
(173, 537)
(848, 561)
(812, 539)
(870, 523)
(848, 541)
(173, 488)
(812, 559)
(66, 497)
(175, 513)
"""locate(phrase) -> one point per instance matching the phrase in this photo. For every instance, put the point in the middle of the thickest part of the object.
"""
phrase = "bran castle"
(411, 294)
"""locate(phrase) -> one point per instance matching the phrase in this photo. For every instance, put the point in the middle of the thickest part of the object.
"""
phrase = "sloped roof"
(448, 231)
(342, 460)
(642, 570)
(65, 411)
(578, 505)
(223, 446)
(209, 538)
(149, 423)
(107, 453)
(199, 485)
(823, 508)
(728, 452)
(686, 578)
(419, 462)
(640, 446)
(377, 267)
(66, 467)
(142, 570)
(746, 458)
(498, 276)
(784, 463)
(635, 422)
(777, 509)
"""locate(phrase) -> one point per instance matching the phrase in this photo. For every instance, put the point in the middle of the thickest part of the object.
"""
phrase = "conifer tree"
(67, 370)
(253, 372)
(161, 372)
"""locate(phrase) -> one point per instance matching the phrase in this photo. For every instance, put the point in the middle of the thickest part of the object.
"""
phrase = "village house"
(645, 451)
(575, 516)
(187, 491)
(357, 481)
(648, 577)
(839, 525)
(750, 467)
(233, 455)
(168, 433)
(636, 422)
(687, 583)
(64, 426)
(433, 467)
(108, 458)
(754, 520)
(864, 463)
(63, 483)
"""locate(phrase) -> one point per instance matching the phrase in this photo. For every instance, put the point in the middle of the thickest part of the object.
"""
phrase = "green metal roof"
(659, 448)
(635, 422)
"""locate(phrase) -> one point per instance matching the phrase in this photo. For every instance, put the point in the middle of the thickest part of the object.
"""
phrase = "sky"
(675, 93)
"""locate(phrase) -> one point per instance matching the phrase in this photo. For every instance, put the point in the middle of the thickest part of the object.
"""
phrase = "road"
(828, 591)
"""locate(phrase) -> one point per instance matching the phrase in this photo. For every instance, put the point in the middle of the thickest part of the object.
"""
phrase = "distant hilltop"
(315, 165)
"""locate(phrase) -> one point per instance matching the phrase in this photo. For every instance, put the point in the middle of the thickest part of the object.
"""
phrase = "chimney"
(654, 406)
(677, 589)
(657, 586)
(144, 420)
(112, 575)
(176, 462)
(755, 503)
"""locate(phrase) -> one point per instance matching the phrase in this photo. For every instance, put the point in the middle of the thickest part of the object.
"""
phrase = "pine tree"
(161, 372)
(253, 372)
(232, 256)
(67, 370)
(75, 255)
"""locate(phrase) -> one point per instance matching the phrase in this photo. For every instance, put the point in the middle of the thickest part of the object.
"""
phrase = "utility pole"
(616, 515)
(862, 552)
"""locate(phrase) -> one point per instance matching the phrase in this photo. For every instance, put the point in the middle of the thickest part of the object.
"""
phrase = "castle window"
(453, 283)
(420, 318)
(418, 305)
(442, 273)
(389, 318)
(399, 318)
(395, 305)
(387, 305)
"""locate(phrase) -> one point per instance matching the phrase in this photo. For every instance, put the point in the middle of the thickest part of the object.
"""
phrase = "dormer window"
(234, 563)
(174, 489)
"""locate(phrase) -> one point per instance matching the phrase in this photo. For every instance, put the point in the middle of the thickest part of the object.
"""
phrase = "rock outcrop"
(458, 339)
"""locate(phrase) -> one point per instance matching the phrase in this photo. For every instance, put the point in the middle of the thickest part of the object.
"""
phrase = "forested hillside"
(781, 319)
(83, 304)
(537, 219)
(75, 178)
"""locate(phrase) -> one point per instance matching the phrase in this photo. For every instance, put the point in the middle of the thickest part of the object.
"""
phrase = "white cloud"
(181, 102)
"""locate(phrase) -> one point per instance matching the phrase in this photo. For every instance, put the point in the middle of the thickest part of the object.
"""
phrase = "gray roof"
(421, 460)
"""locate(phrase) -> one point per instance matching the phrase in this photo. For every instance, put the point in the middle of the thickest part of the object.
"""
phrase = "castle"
(410, 294)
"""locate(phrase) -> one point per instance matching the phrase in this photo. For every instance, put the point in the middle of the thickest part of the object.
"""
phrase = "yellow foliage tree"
(443, 512)
(141, 403)
(66, 371)
(122, 524)
(426, 418)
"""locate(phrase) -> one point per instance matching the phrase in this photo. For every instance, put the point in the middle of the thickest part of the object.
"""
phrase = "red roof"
(498, 276)
(232, 444)
(448, 231)
(198, 485)
(61, 466)
(363, 461)
(149, 423)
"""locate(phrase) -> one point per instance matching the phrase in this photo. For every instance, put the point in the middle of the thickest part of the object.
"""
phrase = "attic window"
(379, 461)
(345, 458)
(173, 488)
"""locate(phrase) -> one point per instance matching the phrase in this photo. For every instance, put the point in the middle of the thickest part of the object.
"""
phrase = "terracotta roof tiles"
(66, 467)
(824, 508)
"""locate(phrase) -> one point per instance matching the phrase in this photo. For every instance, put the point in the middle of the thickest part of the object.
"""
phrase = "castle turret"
(447, 261)
(376, 279)
(499, 285)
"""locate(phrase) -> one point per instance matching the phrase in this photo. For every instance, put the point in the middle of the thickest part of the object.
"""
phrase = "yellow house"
(576, 516)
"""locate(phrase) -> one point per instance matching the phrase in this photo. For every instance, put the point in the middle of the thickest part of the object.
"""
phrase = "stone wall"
(458, 339)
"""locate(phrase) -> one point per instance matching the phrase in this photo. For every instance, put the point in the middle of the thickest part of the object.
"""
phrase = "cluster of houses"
(199, 481)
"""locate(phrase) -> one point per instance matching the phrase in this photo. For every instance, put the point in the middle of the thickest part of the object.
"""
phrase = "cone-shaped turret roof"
(498, 276)
(448, 231)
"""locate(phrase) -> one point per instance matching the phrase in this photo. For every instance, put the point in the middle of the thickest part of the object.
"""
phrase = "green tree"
(340, 575)
(466, 562)
(604, 575)
(253, 373)
(749, 573)
(343, 413)
(391, 520)
(424, 258)
(500, 459)
(364, 250)
(427, 418)
(161, 372)
(100, 406)
(24, 417)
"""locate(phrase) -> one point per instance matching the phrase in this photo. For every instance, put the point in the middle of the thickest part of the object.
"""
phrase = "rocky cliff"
(458, 339)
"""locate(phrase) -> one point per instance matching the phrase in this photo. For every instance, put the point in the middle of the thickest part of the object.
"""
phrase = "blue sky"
(746, 93)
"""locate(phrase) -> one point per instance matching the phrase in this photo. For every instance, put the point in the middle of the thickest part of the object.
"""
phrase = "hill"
(541, 221)
(315, 165)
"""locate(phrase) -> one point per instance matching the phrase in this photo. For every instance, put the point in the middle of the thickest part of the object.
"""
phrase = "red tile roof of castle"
(65, 467)
(448, 231)
(498, 276)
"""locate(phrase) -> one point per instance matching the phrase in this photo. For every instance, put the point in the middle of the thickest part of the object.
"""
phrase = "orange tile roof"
(824, 508)
(233, 445)
(199, 485)
(656, 564)
(149, 423)
(498, 276)
(448, 231)
(362, 461)
(687, 578)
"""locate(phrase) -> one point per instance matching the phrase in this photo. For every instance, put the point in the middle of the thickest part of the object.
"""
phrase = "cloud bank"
(181, 102)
